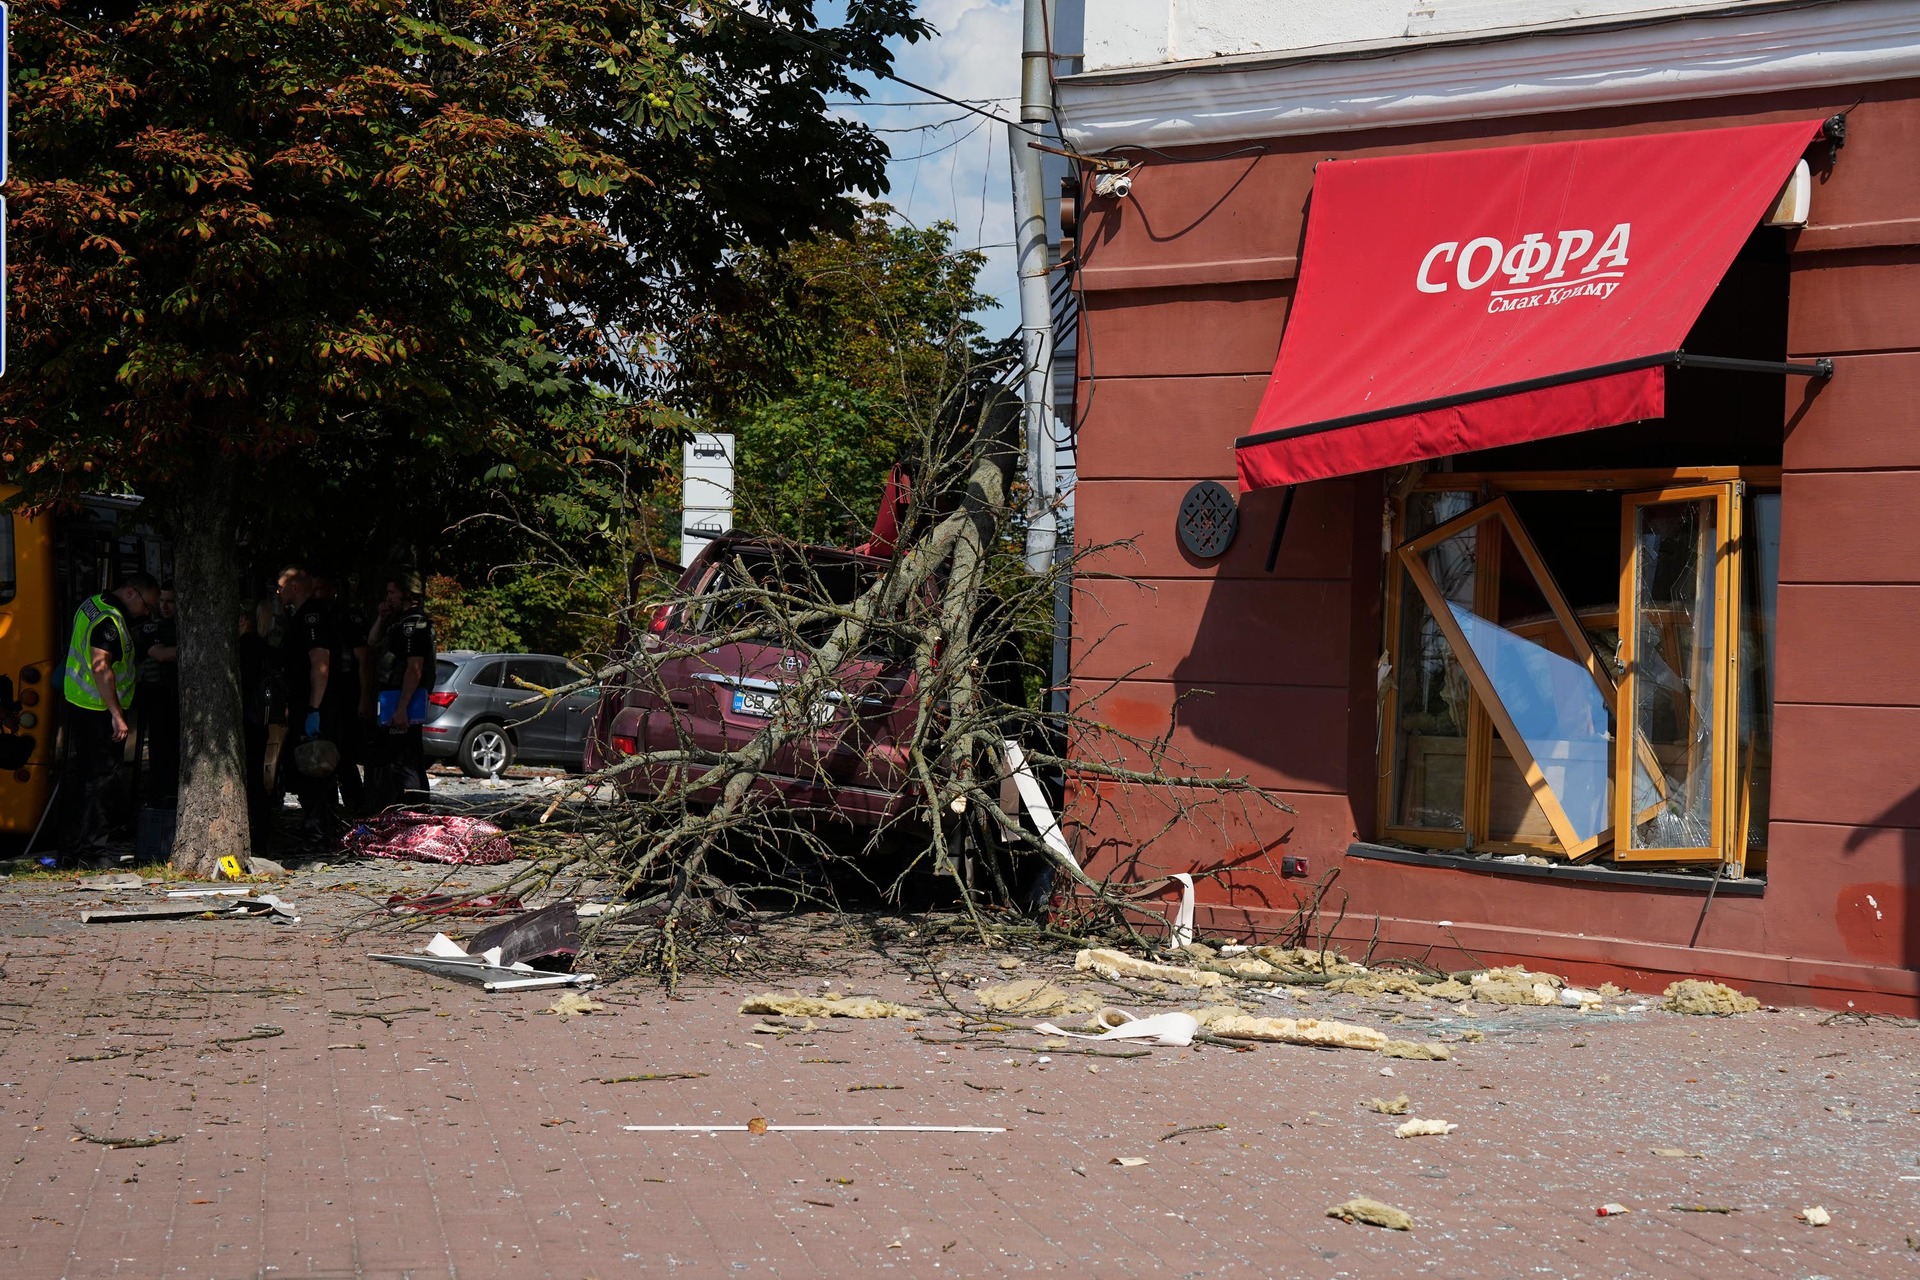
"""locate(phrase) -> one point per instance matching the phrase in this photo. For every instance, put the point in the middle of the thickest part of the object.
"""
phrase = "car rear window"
(443, 673)
(800, 578)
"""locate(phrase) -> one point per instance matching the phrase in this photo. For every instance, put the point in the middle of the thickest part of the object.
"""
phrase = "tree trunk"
(213, 791)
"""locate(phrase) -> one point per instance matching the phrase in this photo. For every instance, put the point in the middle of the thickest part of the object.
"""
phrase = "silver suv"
(483, 718)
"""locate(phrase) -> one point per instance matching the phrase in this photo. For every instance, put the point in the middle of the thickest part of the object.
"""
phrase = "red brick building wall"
(1186, 288)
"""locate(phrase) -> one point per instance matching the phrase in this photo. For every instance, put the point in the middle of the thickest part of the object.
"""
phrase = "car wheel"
(485, 750)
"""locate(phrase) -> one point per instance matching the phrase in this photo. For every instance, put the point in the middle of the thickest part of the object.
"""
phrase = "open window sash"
(1678, 655)
(1553, 713)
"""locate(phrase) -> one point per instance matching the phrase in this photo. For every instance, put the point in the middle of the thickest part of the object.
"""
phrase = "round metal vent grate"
(1208, 519)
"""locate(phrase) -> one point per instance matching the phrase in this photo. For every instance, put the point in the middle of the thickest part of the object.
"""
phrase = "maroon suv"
(718, 700)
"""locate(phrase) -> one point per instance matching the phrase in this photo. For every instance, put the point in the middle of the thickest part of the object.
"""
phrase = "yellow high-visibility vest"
(81, 689)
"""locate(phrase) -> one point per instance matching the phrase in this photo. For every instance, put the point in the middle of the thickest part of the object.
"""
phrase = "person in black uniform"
(257, 679)
(403, 635)
(307, 653)
(350, 706)
(156, 647)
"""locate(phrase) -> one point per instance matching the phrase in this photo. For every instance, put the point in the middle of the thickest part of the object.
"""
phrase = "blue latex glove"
(313, 724)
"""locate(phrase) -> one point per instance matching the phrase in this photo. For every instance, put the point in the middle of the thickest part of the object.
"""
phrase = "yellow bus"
(48, 564)
(30, 658)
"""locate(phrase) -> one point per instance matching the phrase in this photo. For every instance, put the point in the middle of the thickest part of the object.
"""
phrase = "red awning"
(1463, 300)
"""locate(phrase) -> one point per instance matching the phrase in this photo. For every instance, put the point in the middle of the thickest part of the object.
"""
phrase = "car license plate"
(748, 703)
(751, 702)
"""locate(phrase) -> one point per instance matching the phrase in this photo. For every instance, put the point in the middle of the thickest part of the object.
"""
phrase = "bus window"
(9, 573)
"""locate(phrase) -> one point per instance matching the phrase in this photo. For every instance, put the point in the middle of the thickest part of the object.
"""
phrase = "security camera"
(1116, 185)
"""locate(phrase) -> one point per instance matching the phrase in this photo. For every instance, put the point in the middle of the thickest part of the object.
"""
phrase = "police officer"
(99, 684)
(350, 706)
(306, 651)
(403, 635)
(156, 643)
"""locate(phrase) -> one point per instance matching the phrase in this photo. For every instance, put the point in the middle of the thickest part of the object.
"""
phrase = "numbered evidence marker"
(230, 867)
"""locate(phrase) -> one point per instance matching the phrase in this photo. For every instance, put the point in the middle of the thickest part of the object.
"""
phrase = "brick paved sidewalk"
(402, 1127)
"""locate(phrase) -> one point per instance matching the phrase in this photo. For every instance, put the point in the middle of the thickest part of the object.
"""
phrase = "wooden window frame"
(1412, 558)
(1726, 497)
(1494, 484)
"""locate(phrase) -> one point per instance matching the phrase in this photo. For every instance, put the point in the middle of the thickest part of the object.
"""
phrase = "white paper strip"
(1174, 1030)
(1035, 799)
(1183, 922)
(544, 980)
(812, 1128)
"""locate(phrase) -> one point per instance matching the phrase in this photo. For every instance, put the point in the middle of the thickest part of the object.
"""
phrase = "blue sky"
(952, 166)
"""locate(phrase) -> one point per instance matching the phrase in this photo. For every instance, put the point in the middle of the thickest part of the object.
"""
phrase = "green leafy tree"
(261, 245)
(829, 360)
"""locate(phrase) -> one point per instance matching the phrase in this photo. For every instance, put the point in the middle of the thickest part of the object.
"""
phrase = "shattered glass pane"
(1560, 713)
(1431, 691)
(1674, 656)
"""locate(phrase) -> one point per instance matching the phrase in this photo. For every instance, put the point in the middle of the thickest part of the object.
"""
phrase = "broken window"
(1513, 713)
(1672, 651)
(1552, 710)
(1432, 703)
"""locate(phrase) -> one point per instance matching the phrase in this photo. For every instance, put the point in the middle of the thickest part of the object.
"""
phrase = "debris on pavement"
(446, 904)
(1174, 1030)
(1372, 1213)
(1516, 986)
(1128, 1162)
(124, 1144)
(1703, 1208)
(266, 905)
(798, 1006)
(1417, 1128)
(1229, 1023)
(1036, 998)
(1611, 1210)
(1381, 984)
(1398, 1107)
(1109, 963)
(1264, 968)
(427, 837)
(1691, 995)
(552, 931)
(573, 1005)
(446, 958)
(110, 882)
(1185, 1129)
(1676, 1153)
(1814, 1216)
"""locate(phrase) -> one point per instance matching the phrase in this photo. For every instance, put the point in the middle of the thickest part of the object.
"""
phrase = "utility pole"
(1036, 303)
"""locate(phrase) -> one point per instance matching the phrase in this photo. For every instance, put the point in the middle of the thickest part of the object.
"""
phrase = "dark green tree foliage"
(830, 359)
(260, 245)
(545, 565)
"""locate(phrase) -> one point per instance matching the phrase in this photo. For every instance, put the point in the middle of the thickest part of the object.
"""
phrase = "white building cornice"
(1818, 44)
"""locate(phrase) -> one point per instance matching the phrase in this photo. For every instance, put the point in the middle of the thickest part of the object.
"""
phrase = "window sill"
(1751, 887)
